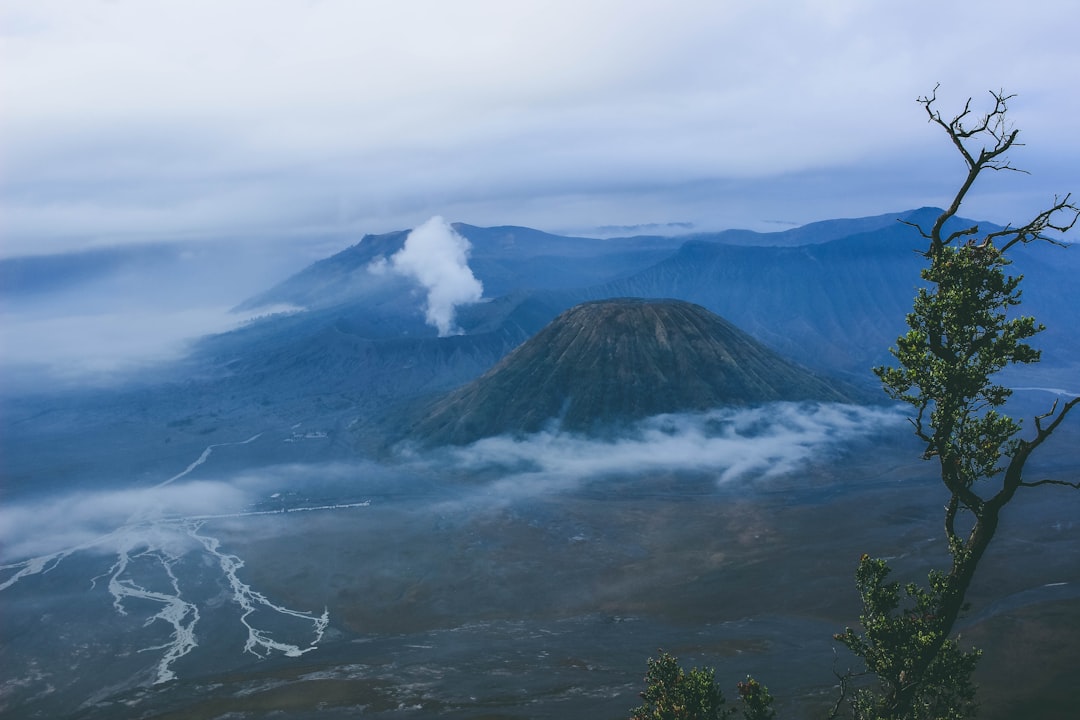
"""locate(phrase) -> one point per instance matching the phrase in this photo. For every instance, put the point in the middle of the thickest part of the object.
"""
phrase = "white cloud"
(437, 257)
(193, 116)
(735, 444)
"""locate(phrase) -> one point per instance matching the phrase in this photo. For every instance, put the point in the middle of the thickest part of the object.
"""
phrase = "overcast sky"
(135, 120)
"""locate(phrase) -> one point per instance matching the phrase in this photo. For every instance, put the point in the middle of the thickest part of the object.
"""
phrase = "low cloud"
(99, 316)
(160, 516)
(733, 443)
(437, 257)
(96, 520)
(106, 346)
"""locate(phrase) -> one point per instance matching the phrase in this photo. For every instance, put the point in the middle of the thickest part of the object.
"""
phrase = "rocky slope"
(602, 364)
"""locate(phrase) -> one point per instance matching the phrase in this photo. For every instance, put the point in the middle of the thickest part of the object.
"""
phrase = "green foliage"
(671, 693)
(963, 331)
(757, 702)
(960, 336)
(921, 675)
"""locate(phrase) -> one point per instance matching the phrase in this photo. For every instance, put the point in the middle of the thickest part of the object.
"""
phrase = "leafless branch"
(1039, 225)
(920, 432)
(992, 125)
(1064, 483)
(1014, 472)
(917, 226)
(843, 678)
(973, 230)
(1043, 433)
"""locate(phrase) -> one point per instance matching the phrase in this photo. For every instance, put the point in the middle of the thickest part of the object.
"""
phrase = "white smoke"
(437, 257)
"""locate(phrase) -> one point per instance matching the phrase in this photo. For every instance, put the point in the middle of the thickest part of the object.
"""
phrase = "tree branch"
(1035, 229)
(1043, 433)
(950, 520)
(1064, 483)
(993, 124)
(973, 230)
(844, 679)
(1014, 472)
(917, 226)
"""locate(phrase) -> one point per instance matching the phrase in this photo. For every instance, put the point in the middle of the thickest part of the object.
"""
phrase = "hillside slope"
(602, 364)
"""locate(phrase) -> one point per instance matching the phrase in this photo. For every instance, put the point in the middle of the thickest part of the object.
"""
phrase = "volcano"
(603, 364)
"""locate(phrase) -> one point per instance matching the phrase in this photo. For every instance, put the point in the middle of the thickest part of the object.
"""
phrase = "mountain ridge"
(508, 258)
(835, 307)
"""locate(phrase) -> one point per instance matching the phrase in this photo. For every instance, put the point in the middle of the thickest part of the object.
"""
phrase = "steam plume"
(437, 257)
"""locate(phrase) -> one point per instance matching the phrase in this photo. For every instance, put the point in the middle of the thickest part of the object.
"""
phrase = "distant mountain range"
(831, 295)
(512, 259)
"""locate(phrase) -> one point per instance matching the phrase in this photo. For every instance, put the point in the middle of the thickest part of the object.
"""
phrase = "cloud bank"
(437, 257)
(99, 316)
(103, 347)
(201, 117)
(734, 444)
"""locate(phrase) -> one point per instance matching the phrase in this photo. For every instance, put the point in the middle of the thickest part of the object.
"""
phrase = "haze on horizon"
(131, 122)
